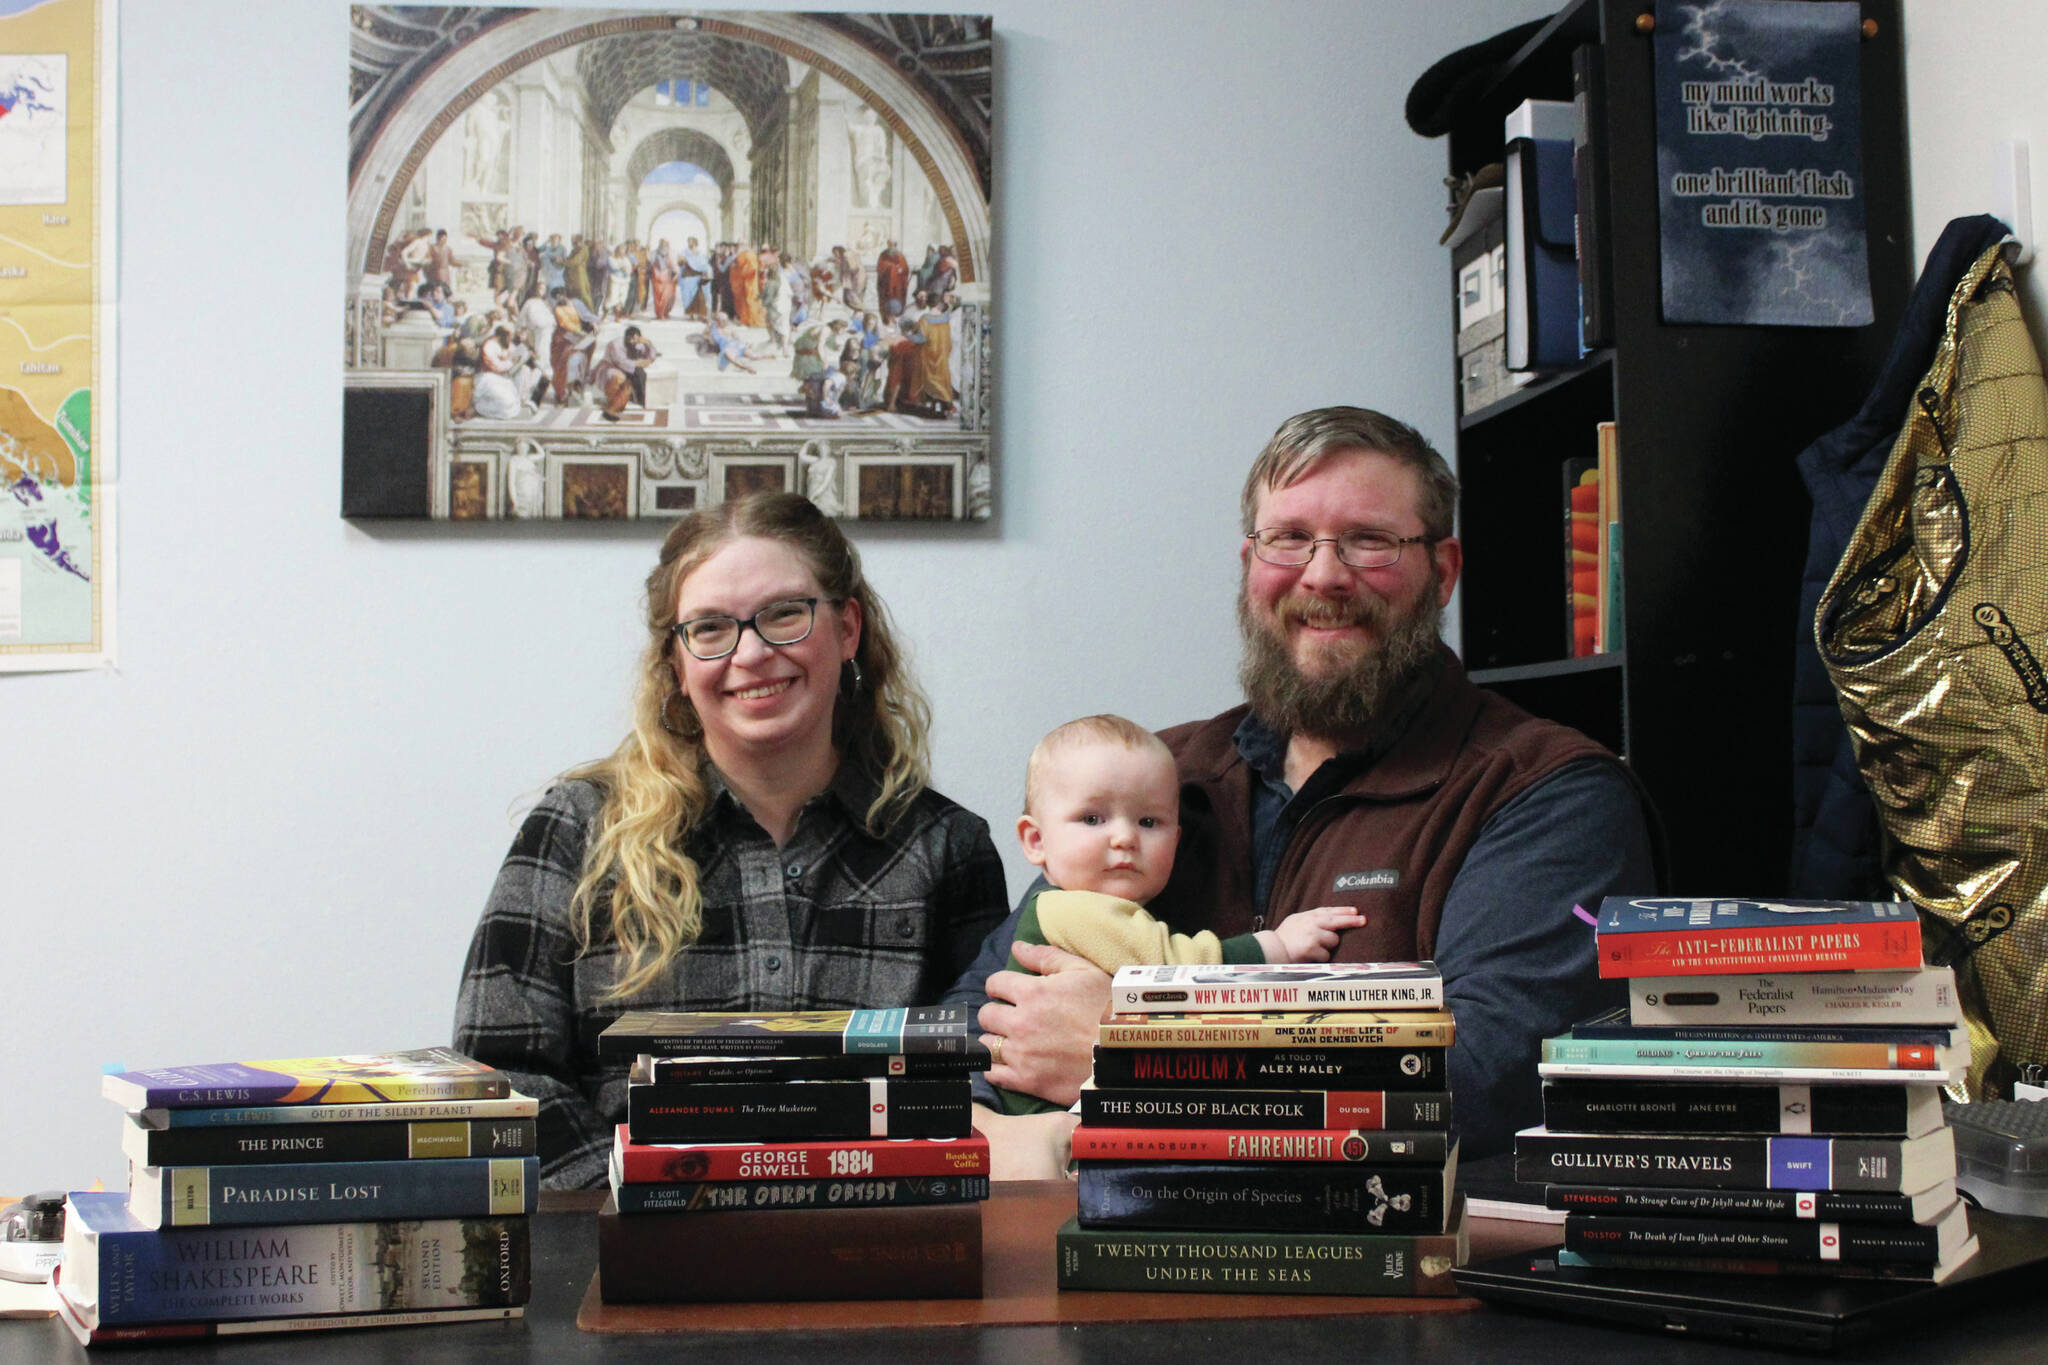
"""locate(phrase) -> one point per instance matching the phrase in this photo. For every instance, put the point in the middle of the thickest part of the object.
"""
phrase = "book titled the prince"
(435, 1073)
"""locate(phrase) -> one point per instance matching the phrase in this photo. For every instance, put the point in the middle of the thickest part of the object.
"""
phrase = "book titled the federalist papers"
(1278, 986)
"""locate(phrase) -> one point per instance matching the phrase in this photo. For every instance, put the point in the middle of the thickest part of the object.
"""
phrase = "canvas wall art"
(616, 264)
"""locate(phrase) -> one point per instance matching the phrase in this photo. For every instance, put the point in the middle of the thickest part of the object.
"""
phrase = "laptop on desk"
(1784, 1311)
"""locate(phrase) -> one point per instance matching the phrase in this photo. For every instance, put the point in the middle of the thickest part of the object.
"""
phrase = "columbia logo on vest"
(1380, 879)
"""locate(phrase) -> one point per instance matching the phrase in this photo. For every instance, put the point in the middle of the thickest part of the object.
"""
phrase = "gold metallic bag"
(1933, 629)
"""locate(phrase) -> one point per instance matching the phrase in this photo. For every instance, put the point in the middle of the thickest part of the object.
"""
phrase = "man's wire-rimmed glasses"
(779, 623)
(1291, 547)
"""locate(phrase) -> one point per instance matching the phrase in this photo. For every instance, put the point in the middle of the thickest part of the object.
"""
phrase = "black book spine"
(1654, 1201)
(1599, 1234)
(1593, 1106)
(272, 1144)
(1591, 230)
(1147, 1107)
(1275, 1197)
(839, 1067)
(715, 1196)
(1366, 1068)
(777, 1110)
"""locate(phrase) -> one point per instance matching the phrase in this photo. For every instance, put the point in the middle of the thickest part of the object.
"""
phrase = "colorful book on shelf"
(1406, 1265)
(332, 1192)
(513, 1106)
(1640, 1106)
(1093, 1143)
(1266, 1196)
(1616, 1023)
(1922, 995)
(1325, 1068)
(772, 1111)
(1651, 936)
(1606, 624)
(1277, 986)
(794, 1033)
(880, 1158)
(120, 1272)
(1335, 1030)
(908, 1252)
(1376, 1110)
(1842, 1206)
(1582, 556)
(435, 1073)
(1732, 1161)
(273, 1143)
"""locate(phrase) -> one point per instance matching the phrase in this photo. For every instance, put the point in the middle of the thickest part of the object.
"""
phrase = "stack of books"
(1268, 1129)
(803, 1155)
(1769, 1102)
(379, 1190)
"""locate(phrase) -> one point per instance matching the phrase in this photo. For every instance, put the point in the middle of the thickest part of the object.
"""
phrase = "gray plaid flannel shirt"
(834, 919)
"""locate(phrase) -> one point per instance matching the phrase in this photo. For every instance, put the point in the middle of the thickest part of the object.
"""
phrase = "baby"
(1102, 818)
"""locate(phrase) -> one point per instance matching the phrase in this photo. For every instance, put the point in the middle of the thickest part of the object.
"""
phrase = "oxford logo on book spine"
(1379, 879)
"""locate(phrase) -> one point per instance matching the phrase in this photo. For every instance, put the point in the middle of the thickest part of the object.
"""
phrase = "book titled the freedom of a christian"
(1277, 986)
(435, 1073)
(794, 1033)
(1654, 936)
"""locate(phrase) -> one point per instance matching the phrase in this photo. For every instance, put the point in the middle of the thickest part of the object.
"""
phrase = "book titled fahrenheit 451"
(1278, 986)
(1653, 936)
(794, 1033)
(434, 1073)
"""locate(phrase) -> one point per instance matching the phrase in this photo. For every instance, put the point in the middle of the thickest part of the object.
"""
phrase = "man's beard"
(1350, 700)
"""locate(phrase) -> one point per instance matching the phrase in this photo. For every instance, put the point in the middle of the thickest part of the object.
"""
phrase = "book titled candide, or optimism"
(1278, 986)
(435, 1073)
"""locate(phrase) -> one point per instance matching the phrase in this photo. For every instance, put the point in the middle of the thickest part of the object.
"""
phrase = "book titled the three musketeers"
(883, 1107)
(436, 1073)
(1194, 988)
(1653, 936)
(795, 1033)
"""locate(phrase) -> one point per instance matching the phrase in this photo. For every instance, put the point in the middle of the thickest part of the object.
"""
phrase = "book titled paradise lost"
(793, 1033)
(435, 1073)
(1277, 986)
(1653, 936)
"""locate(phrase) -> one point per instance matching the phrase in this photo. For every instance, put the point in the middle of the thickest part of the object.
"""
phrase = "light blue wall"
(269, 830)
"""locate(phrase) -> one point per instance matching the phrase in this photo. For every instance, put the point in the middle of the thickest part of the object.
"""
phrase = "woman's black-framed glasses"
(779, 623)
(1292, 547)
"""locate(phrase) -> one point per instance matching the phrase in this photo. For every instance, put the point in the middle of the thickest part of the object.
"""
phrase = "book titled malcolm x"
(1278, 986)
(434, 1073)
(1653, 936)
(794, 1033)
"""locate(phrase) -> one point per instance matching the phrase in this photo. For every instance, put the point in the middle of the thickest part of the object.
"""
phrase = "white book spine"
(1927, 996)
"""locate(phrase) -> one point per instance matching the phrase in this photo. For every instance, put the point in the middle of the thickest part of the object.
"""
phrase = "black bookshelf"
(1709, 421)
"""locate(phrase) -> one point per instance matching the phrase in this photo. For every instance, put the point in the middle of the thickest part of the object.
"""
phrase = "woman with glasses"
(764, 839)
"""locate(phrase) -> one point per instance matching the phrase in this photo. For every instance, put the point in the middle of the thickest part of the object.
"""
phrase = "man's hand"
(1043, 1028)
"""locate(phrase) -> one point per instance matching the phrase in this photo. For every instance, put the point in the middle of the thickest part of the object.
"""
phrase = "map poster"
(1759, 163)
(57, 168)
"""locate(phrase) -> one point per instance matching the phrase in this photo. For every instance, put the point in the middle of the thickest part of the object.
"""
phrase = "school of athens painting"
(647, 261)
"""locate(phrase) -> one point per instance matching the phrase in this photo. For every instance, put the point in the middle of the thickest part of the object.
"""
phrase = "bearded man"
(1363, 770)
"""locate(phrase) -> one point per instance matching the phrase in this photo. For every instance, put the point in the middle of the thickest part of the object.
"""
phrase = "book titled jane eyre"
(434, 1073)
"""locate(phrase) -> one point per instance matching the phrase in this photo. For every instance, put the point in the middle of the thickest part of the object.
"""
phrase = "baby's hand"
(1310, 935)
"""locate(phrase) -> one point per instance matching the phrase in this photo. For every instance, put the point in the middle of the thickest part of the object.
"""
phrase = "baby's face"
(1107, 819)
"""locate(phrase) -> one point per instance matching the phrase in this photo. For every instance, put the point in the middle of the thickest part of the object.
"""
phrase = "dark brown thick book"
(931, 1252)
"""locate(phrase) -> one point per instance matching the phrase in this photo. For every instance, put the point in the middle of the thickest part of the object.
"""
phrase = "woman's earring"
(689, 727)
(858, 679)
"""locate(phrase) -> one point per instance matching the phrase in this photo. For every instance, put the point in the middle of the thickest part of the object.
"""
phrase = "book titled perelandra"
(435, 1073)
(1278, 986)
(793, 1033)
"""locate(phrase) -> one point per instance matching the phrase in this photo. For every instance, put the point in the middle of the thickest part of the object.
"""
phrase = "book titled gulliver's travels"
(1899, 1165)
(434, 1073)
(1277, 986)
(794, 1033)
(119, 1271)
(1392, 1264)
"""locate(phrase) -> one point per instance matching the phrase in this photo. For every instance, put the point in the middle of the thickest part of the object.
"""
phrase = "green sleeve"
(1242, 949)
(1029, 932)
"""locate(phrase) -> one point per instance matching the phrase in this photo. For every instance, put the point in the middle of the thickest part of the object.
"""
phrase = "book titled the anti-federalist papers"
(1652, 936)
(794, 1033)
(435, 1073)
(118, 1271)
(1277, 986)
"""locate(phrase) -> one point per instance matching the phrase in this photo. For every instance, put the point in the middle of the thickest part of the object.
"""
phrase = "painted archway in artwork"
(409, 129)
